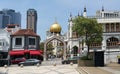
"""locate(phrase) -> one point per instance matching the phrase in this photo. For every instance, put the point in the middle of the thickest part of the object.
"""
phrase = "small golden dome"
(55, 28)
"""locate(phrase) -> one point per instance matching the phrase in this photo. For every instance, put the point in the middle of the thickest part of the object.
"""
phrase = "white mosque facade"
(110, 21)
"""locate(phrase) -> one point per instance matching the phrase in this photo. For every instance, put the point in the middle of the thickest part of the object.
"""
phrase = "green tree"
(49, 46)
(89, 29)
(42, 46)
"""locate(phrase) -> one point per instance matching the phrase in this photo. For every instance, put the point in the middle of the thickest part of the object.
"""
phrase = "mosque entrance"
(56, 42)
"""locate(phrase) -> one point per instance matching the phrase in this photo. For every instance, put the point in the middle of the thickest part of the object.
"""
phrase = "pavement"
(112, 68)
(53, 69)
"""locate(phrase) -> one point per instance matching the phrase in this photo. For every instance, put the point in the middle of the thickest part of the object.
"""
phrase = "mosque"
(110, 21)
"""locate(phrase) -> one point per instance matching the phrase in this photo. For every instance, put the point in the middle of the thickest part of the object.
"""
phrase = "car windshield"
(74, 58)
(31, 60)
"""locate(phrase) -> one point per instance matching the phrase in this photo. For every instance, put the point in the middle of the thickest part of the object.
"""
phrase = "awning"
(16, 52)
(35, 52)
(26, 51)
(41, 51)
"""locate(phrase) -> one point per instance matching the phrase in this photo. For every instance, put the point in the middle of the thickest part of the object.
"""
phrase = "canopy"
(35, 52)
(16, 52)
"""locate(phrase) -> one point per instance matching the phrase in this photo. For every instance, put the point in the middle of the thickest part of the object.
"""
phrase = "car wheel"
(65, 62)
(33, 64)
(18, 64)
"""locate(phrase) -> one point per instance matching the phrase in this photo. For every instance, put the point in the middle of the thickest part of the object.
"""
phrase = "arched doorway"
(49, 40)
(75, 50)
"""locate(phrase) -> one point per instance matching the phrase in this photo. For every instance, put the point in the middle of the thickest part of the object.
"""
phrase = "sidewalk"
(58, 69)
(112, 68)
(92, 70)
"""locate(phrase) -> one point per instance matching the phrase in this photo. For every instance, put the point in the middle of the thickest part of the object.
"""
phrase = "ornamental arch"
(54, 38)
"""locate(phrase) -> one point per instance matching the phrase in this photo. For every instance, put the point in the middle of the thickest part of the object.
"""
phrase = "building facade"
(9, 16)
(25, 43)
(32, 19)
(110, 21)
(5, 42)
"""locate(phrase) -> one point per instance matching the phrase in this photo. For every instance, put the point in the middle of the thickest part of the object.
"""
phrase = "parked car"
(30, 62)
(18, 60)
(69, 60)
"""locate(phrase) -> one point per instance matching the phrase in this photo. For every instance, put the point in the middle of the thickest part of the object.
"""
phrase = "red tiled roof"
(9, 30)
(23, 32)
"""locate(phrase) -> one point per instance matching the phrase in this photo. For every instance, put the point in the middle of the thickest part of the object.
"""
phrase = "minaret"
(70, 31)
(102, 8)
(78, 14)
(84, 13)
(70, 26)
(102, 12)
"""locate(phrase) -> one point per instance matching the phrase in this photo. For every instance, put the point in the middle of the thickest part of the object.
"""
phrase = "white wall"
(5, 38)
(111, 57)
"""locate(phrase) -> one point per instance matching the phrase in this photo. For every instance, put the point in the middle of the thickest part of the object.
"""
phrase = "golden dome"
(55, 28)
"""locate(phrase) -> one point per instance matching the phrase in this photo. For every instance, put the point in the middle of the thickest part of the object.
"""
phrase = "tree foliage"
(42, 46)
(89, 29)
(49, 47)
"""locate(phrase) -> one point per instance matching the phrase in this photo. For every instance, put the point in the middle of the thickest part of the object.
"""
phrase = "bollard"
(21, 65)
(38, 64)
(54, 64)
(5, 66)
(71, 63)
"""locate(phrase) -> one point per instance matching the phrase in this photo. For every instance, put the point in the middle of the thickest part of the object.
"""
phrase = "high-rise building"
(32, 19)
(9, 16)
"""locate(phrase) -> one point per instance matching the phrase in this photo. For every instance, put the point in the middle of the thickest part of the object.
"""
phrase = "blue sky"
(48, 10)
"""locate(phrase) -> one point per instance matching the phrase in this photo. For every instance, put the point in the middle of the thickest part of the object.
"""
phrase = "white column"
(102, 14)
(84, 14)
(104, 43)
(70, 31)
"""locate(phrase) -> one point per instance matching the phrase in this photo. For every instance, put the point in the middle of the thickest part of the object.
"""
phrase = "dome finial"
(55, 19)
(70, 14)
(85, 9)
(78, 14)
(102, 8)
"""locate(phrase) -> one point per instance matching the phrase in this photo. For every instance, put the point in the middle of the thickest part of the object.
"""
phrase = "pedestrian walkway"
(92, 70)
(112, 68)
(113, 71)
(58, 69)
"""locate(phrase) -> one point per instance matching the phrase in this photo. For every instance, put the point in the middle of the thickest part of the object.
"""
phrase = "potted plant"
(86, 61)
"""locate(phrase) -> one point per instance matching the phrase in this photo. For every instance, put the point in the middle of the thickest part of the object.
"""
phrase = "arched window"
(112, 42)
